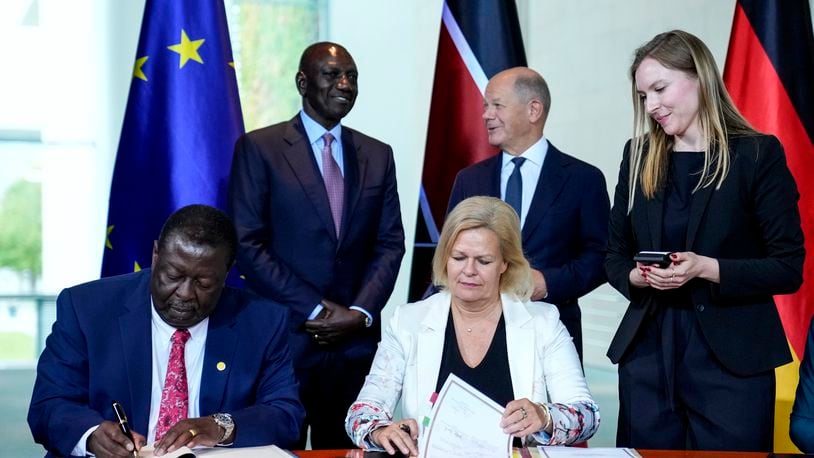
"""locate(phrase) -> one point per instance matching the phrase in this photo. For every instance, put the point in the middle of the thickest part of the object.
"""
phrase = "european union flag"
(183, 117)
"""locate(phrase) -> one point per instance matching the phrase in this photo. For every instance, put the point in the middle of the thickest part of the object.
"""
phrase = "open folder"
(269, 451)
(464, 423)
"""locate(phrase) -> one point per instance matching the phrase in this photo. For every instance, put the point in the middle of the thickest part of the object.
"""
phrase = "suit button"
(699, 307)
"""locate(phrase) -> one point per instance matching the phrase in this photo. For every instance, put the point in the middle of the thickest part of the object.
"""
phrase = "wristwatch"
(225, 421)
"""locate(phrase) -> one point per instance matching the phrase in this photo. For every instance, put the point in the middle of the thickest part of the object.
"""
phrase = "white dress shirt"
(161, 345)
(530, 172)
(193, 358)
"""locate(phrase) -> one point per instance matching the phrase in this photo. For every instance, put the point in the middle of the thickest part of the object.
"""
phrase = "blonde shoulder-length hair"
(500, 218)
(719, 118)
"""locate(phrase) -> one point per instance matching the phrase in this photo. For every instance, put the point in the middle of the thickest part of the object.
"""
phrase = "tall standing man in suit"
(191, 361)
(562, 202)
(319, 225)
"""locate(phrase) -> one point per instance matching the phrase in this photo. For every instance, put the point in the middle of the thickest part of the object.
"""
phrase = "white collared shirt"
(530, 172)
(193, 358)
(161, 338)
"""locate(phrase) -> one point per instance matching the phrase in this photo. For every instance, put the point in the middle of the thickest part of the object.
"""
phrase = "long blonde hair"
(718, 117)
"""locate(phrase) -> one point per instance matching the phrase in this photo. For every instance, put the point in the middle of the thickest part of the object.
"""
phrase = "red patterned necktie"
(175, 396)
(334, 183)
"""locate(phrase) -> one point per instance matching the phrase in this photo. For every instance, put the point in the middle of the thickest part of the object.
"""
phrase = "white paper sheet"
(464, 423)
(592, 452)
(266, 451)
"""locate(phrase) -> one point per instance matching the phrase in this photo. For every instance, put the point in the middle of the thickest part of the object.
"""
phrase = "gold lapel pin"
(221, 366)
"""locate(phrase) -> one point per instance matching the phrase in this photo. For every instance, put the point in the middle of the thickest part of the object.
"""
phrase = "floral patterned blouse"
(544, 367)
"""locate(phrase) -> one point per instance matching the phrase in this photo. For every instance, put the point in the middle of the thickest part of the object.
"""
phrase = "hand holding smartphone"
(662, 258)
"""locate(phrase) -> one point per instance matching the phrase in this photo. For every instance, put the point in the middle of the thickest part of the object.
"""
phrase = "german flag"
(769, 73)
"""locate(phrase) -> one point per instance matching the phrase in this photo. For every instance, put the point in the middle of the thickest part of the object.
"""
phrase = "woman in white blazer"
(483, 328)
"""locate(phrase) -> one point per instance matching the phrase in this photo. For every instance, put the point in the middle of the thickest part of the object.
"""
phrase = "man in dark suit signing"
(319, 225)
(191, 362)
(562, 202)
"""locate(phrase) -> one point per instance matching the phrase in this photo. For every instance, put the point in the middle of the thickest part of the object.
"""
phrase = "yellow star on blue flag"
(175, 147)
(187, 49)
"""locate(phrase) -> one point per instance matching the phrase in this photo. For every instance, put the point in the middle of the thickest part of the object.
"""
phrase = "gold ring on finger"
(193, 432)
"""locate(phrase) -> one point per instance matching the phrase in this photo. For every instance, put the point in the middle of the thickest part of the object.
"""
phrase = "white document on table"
(464, 423)
(548, 451)
(266, 451)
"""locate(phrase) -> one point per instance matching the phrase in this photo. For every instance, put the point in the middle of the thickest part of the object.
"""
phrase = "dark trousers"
(674, 394)
(327, 389)
(571, 317)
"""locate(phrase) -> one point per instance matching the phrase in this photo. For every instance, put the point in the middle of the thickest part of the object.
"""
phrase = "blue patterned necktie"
(514, 188)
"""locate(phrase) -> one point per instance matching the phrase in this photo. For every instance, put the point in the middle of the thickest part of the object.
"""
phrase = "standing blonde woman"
(700, 340)
(483, 328)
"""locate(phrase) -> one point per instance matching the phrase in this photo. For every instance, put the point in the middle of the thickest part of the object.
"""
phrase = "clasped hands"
(333, 323)
(109, 441)
(522, 417)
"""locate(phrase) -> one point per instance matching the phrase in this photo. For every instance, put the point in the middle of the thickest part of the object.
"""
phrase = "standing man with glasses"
(319, 225)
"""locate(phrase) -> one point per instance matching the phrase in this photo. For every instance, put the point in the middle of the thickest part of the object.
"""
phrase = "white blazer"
(543, 362)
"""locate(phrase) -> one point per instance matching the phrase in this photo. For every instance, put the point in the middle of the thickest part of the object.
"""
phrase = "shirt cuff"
(360, 309)
(315, 312)
(81, 448)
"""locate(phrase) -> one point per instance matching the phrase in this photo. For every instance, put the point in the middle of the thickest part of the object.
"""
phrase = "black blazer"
(288, 250)
(565, 232)
(751, 225)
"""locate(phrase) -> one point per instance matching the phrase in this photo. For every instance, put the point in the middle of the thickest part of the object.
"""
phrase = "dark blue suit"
(565, 231)
(99, 350)
(802, 414)
(289, 251)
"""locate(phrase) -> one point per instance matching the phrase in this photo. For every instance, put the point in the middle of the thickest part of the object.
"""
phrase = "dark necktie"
(514, 188)
(175, 396)
(334, 183)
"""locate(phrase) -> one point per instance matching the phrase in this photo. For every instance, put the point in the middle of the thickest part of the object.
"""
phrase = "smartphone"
(662, 258)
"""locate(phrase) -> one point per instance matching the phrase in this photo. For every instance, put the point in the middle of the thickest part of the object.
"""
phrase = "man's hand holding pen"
(109, 440)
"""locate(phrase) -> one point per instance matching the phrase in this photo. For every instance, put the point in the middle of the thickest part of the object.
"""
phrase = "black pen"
(122, 417)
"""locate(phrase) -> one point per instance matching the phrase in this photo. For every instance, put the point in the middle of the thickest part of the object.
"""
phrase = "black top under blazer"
(751, 225)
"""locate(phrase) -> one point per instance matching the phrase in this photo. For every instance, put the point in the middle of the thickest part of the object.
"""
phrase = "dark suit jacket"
(751, 225)
(99, 351)
(802, 414)
(565, 232)
(288, 247)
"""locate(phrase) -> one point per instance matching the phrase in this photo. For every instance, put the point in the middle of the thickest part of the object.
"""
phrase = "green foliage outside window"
(21, 228)
(267, 40)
